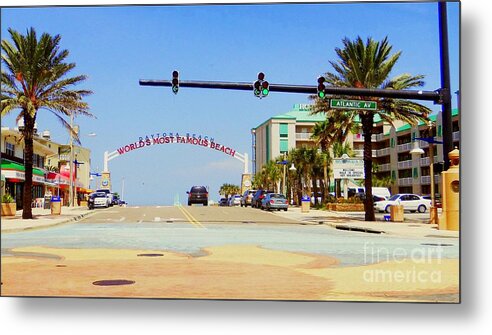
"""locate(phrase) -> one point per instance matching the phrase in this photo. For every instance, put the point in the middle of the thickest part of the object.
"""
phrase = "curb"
(68, 220)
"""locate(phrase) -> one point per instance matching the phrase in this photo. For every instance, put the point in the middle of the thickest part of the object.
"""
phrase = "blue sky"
(117, 46)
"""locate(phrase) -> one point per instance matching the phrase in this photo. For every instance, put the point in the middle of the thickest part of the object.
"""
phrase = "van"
(379, 191)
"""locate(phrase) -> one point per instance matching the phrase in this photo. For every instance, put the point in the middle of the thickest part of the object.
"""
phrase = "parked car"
(247, 198)
(97, 199)
(198, 195)
(259, 195)
(274, 201)
(115, 200)
(223, 202)
(375, 198)
(109, 196)
(437, 200)
(410, 202)
(234, 200)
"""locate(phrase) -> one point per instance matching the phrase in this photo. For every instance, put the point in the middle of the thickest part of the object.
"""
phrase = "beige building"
(279, 134)
(47, 155)
(391, 146)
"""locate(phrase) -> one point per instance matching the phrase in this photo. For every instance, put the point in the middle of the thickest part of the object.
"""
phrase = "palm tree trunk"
(367, 125)
(28, 153)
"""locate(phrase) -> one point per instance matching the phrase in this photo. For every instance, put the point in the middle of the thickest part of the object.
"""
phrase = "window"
(9, 149)
(284, 130)
(415, 173)
(284, 145)
(392, 142)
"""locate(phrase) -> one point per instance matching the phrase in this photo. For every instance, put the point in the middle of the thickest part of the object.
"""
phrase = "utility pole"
(447, 122)
(70, 192)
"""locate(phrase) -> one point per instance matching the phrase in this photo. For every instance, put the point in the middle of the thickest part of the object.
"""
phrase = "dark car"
(223, 202)
(198, 195)
(259, 195)
(375, 198)
(274, 201)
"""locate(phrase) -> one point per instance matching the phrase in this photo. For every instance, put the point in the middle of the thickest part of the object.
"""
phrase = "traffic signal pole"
(435, 96)
(447, 122)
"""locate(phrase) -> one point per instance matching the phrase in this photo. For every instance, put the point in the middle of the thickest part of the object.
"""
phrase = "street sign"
(353, 104)
(348, 168)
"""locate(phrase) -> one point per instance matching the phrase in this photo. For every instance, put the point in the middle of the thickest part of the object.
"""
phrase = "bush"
(7, 199)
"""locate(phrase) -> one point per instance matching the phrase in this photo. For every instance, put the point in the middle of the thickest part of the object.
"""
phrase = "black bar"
(447, 122)
(306, 89)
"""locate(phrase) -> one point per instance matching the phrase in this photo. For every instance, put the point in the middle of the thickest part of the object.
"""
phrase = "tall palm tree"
(36, 78)
(368, 65)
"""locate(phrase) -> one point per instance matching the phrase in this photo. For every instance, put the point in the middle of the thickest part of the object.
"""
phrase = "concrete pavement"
(355, 222)
(42, 218)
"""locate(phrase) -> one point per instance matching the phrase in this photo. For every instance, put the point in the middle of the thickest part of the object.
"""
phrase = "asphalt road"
(237, 253)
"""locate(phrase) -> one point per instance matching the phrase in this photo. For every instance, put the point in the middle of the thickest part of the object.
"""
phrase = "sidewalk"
(355, 222)
(42, 218)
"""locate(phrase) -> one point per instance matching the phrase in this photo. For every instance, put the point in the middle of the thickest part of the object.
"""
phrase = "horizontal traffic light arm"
(435, 96)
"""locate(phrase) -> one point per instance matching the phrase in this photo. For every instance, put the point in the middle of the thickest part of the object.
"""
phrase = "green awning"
(9, 165)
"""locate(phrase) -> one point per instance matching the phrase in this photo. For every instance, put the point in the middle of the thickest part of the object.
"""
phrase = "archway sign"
(175, 138)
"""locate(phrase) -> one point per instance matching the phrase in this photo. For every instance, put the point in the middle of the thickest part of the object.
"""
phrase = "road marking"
(190, 217)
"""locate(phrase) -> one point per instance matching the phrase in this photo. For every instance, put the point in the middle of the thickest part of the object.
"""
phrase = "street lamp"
(418, 151)
(284, 163)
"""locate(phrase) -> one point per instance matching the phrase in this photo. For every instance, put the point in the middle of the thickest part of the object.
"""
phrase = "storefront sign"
(20, 175)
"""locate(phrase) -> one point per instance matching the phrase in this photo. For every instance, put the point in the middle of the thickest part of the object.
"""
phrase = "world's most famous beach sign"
(176, 138)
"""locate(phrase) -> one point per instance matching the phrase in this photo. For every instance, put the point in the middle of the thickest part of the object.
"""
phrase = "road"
(224, 253)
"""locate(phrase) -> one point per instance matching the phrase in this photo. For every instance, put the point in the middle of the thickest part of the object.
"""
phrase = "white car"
(410, 202)
(234, 200)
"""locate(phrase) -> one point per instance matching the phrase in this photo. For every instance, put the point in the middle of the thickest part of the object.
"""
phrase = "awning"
(17, 172)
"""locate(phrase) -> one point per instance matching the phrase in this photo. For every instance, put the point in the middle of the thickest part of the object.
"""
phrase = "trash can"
(305, 204)
(55, 206)
(396, 213)
(47, 202)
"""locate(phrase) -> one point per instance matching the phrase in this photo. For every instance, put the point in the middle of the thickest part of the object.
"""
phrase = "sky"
(117, 46)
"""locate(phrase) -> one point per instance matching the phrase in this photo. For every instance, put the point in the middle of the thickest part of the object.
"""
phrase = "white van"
(379, 191)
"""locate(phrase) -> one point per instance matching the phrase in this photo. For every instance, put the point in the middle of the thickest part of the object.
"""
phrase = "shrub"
(7, 198)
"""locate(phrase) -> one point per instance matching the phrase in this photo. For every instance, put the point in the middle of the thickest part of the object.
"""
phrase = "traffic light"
(261, 87)
(175, 82)
(265, 88)
(321, 87)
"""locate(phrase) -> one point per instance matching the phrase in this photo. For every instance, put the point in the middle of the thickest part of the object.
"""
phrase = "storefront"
(14, 174)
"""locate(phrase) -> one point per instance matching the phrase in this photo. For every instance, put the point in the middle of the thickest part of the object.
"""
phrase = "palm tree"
(368, 65)
(229, 189)
(36, 78)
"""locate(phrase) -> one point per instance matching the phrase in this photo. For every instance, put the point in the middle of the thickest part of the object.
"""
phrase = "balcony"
(360, 153)
(405, 181)
(425, 161)
(385, 167)
(374, 137)
(404, 147)
(426, 180)
(405, 164)
(383, 152)
(456, 136)
(304, 136)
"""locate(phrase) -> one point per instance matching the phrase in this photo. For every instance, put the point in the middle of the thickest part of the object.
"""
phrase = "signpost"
(348, 168)
(353, 104)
